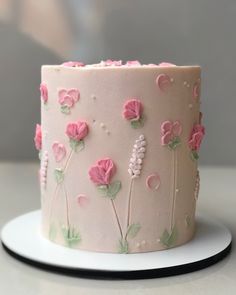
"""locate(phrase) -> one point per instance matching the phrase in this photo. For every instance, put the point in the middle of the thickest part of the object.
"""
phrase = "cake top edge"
(111, 64)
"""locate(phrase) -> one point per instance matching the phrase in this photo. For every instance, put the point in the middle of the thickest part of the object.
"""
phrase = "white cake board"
(22, 239)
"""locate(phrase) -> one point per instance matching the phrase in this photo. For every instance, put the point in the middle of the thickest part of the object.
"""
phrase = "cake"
(119, 147)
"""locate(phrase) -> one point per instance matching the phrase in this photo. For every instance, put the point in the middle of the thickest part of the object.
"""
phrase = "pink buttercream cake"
(119, 148)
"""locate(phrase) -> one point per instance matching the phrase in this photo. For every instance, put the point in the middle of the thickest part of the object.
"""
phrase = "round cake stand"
(22, 239)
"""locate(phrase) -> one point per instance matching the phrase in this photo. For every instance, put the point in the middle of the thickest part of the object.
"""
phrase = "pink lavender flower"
(73, 64)
(102, 172)
(196, 137)
(77, 131)
(133, 109)
(44, 92)
(38, 137)
(170, 131)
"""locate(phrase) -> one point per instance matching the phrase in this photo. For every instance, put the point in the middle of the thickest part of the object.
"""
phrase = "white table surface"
(19, 193)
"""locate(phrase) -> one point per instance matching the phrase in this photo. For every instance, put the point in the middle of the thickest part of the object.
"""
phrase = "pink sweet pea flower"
(133, 109)
(44, 92)
(73, 64)
(170, 130)
(196, 137)
(38, 137)
(102, 172)
(77, 131)
(68, 97)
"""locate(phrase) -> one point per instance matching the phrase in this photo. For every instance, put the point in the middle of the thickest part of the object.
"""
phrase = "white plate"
(21, 237)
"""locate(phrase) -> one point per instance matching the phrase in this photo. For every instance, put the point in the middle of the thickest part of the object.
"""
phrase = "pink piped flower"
(170, 134)
(73, 64)
(67, 98)
(196, 137)
(102, 172)
(132, 63)
(133, 112)
(44, 92)
(77, 131)
(166, 64)
(38, 137)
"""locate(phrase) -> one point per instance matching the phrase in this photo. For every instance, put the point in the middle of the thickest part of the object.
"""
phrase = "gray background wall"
(180, 31)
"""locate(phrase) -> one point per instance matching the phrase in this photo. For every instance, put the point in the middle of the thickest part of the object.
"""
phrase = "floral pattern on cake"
(170, 134)
(170, 137)
(163, 82)
(59, 151)
(44, 92)
(101, 175)
(73, 64)
(133, 112)
(195, 140)
(67, 99)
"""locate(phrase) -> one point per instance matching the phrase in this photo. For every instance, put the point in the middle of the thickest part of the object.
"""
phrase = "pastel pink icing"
(82, 200)
(169, 130)
(132, 109)
(102, 172)
(68, 97)
(59, 151)
(38, 137)
(44, 92)
(163, 81)
(77, 130)
(73, 64)
(153, 181)
(196, 137)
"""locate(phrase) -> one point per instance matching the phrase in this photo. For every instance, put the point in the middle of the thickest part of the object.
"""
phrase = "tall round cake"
(119, 147)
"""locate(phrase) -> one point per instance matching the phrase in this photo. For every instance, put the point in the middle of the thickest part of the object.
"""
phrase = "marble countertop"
(19, 193)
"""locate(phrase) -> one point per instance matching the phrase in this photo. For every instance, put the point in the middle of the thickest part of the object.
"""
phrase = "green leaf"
(113, 189)
(133, 230)
(194, 155)
(169, 239)
(137, 123)
(76, 146)
(174, 143)
(59, 175)
(123, 246)
(52, 232)
(71, 236)
(103, 189)
(65, 109)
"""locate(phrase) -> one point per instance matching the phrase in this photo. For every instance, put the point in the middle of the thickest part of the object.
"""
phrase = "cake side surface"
(119, 156)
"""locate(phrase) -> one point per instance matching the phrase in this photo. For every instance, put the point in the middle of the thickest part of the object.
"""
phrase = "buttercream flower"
(170, 132)
(77, 131)
(67, 98)
(73, 64)
(44, 92)
(111, 62)
(102, 172)
(38, 137)
(133, 63)
(196, 137)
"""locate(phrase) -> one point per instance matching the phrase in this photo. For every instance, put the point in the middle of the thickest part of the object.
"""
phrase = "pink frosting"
(196, 90)
(59, 151)
(111, 62)
(44, 92)
(166, 64)
(153, 181)
(82, 200)
(163, 81)
(68, 97)
(196, 137)
(102, 172)
(133, 109)
(38, 137)
(73, 64)
(77, 131)
(169, 130)
(133, 63)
